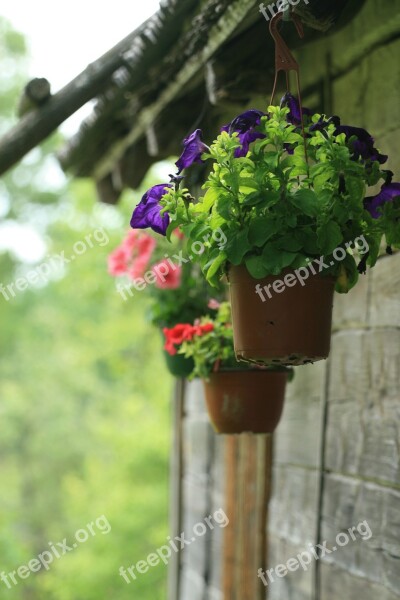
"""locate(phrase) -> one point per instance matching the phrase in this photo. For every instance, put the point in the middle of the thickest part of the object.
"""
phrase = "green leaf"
(215, 266)
(289, 243)
(307, 202)
(237, 247)
(216, 220)
(274, 259)
(223, 207)
(268, 198)
(255, 266)
(248, 183)
(348, 275)
(210, 198)
(329, 237)
(252, 199)
(356, 189)
(261, 230)
(308, 240)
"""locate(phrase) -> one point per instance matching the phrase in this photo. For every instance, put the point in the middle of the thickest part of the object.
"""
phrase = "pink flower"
(137, 268)
(146, 245)
(131, 241)
(213, 304)
(167, 277)
(117, 262)
(179, 234)
(133, 255)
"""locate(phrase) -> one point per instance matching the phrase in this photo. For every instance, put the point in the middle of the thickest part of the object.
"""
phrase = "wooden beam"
(230, 20)
(38, 124)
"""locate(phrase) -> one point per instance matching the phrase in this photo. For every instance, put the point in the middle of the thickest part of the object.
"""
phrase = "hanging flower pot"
(245, 400)
(178, 365)
(290, 326)
(288, 193)
(240, 398)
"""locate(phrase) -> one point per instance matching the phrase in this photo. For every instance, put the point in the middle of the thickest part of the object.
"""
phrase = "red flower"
(203, 329)
(183, 332)
(177, 335)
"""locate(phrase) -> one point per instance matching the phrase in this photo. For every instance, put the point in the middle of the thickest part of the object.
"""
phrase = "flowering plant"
(171, 279)
(209, 341)
(286, 188)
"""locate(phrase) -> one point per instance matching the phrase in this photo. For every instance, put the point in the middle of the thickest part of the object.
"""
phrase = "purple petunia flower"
(245, 125)
(363, 146)
(388, 193)
(147, 212)
(294, 116)
(193, 148)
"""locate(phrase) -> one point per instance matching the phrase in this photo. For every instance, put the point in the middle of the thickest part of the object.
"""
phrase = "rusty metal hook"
(284, 59)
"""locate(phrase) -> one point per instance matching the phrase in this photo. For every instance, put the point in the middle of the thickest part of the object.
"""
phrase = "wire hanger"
(284, 59)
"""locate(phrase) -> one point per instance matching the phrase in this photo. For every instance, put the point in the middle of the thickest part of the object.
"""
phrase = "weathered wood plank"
(192, 585)
(194, 398)
(229, 566)
(375, 512)
(337, 583)
(248, 484)
(175, 495)
(350, 311)
(297, 439)
(294, 504)
(296, 585)
(385, 297)
(218, 501)
(264, 487)
(363, 434)
(197, 447)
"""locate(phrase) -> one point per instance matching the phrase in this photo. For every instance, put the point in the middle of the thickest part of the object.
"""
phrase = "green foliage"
(85, 431)
(277, 209)
(214, 348)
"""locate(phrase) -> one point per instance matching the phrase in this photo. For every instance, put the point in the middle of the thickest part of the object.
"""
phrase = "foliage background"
(84, 393)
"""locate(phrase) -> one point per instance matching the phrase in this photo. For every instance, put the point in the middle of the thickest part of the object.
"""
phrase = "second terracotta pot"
(275, 323)
(245, 400)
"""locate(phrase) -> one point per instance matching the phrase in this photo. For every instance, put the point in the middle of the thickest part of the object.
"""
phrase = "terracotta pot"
(292, 327)
(246, 400)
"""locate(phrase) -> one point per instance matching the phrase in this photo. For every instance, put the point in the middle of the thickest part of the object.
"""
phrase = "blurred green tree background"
(84, 394)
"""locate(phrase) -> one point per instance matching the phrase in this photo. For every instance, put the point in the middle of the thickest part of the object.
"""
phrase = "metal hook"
(284, 59)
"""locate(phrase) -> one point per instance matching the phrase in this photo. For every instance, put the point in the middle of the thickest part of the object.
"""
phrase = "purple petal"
(363, 146)
(147, 212)
(388, 193)
(245, 124)
(193, 148)
(294, 116)
(246, 139)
